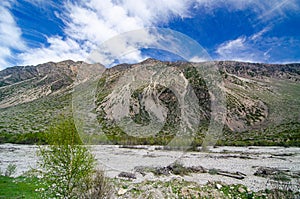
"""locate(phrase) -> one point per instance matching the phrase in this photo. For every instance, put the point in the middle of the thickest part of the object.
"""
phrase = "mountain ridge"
(259, 96)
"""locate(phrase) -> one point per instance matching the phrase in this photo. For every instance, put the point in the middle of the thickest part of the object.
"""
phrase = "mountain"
(262, 100)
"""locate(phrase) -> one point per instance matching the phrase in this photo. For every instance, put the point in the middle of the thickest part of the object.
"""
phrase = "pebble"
(241, 190)
(122, 191)
(218, 186)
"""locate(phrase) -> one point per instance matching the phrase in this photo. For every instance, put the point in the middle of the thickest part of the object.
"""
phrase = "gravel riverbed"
(116, 159)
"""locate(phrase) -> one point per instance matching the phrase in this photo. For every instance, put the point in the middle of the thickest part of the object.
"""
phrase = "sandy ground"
(233, 159)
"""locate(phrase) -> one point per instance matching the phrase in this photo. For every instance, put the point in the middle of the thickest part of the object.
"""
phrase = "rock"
(241, 190)
(162, 171)
(141, 169)
(139, 178)
(197, 169)
(218, 186)
(230, 174)
(265, 171)
(155, 193)
(127, 175)
(122, 191)
(185, 191)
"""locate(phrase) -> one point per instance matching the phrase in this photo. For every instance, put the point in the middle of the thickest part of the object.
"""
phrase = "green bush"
(10, 170)
(68, 168)
(23, 138)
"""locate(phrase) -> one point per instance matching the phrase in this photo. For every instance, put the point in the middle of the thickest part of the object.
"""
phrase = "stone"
(122, 191)
(218, 186)
(127, 175)
(241, 190)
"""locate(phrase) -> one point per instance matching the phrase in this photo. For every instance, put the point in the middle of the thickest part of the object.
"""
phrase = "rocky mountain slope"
(262, 100)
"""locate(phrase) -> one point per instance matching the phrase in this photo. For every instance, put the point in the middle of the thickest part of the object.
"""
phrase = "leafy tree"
(68, 168)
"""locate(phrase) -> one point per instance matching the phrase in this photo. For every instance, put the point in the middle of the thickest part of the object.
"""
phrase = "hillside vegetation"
(262, 102)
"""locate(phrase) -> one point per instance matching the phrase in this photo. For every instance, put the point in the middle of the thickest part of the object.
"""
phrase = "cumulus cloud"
(10, 35)
(157, 11)
(90, 23)
(59, 49)
(98, 22)
(87, 24)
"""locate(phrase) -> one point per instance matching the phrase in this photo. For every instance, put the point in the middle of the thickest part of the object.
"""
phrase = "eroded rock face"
(249, 90)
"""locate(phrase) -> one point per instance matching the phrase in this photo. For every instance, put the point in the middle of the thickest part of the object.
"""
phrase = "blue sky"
(38, 31)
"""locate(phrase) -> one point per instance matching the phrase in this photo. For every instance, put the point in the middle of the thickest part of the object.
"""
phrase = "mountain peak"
(150, 61)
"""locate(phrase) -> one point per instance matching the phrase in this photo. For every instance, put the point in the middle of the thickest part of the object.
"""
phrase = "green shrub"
(23, 138)
(10, 170)
(68, 168)
(212, 171)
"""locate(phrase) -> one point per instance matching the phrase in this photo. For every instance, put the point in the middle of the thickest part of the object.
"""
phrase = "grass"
(26, 187)
(20, 187)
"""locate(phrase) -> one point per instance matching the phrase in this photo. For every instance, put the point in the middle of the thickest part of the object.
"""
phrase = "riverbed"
(116, 159)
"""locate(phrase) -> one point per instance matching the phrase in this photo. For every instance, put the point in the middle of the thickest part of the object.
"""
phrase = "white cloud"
(45, 5)
(198, 59)
(10, 35)
(259, 48)
(90, 23)
(277, 8)
(229, 46)
(157, 11)
(98, 22)
(264, 10)
(242, 49)
(5, 53)
(260, 33)
(59, 50)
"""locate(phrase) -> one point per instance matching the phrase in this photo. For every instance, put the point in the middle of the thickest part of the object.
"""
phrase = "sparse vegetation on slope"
(262, 100)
